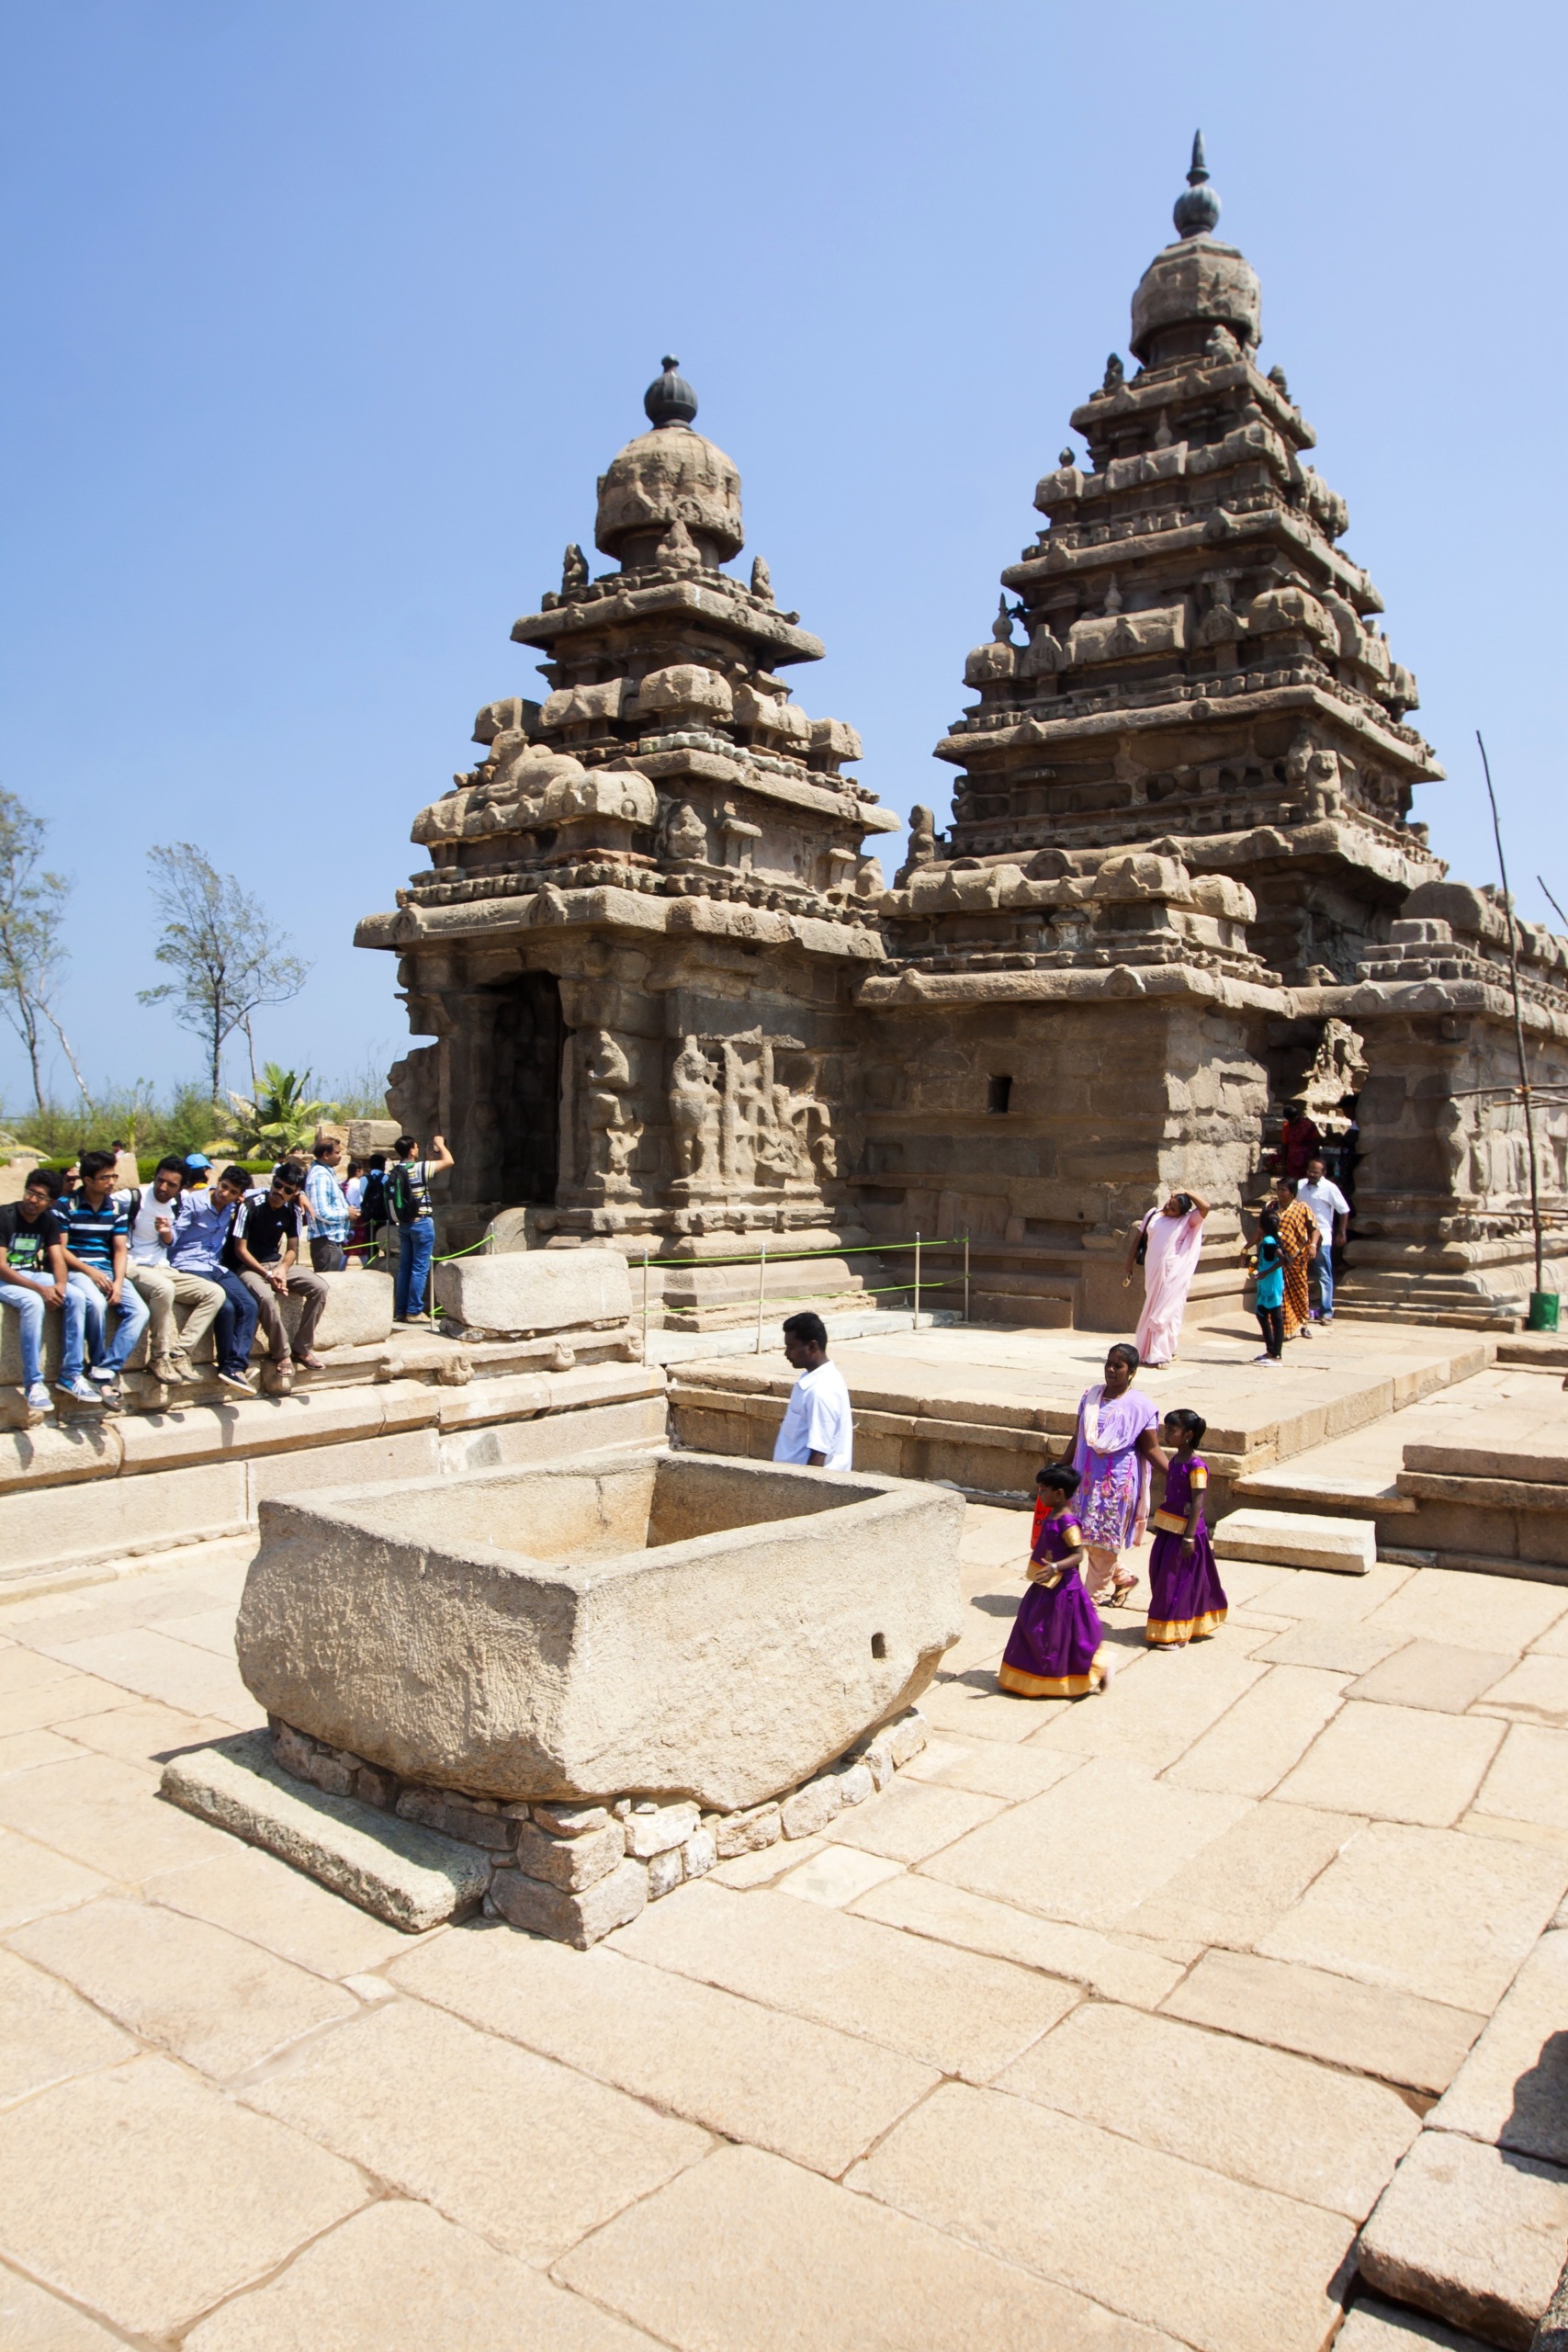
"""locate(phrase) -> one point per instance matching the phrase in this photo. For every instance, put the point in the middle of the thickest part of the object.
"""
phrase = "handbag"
(1141, 1251)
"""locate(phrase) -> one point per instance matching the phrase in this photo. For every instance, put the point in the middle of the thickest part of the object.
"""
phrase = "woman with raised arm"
(1172, 1237)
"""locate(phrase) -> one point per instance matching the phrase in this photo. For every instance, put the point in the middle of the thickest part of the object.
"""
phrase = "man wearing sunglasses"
(266, 1251)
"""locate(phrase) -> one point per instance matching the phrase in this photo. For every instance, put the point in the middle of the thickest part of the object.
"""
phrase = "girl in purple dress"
(1056, 1647)
(1187, 1601)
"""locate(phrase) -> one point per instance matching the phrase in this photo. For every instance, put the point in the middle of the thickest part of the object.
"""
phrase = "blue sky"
(320, 321)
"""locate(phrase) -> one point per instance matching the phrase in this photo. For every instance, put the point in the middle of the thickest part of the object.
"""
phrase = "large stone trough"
(658, 1626)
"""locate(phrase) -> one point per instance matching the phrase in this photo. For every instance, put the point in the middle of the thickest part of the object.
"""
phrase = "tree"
(32, 952)
(227, 960)
(281, 1118)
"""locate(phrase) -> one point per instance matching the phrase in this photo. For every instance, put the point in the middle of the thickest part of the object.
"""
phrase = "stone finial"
(1277, 378)
(670, 400)
(762, 581)
(1067, 458)
(1113, 598)
(574, 570)
(1001, 628)
(1197, 212)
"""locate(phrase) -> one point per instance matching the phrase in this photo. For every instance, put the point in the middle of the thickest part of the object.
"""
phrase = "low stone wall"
(573, 1873)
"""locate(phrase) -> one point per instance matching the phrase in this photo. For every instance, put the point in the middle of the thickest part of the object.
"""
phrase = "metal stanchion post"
(761, 1283)
(917, 1282)
(645, 1307)
(966, 1278)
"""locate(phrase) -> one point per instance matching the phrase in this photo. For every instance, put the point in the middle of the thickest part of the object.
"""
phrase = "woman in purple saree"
(1113, 1449)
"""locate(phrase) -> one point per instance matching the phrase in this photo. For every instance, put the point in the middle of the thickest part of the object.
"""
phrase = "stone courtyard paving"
(1105, 2026)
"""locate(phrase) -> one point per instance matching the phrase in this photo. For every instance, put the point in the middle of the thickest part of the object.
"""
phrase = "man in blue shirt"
(97, 1238)
(202, 1236)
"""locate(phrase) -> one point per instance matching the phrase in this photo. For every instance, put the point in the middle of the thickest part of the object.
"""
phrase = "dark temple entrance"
(525, 1086)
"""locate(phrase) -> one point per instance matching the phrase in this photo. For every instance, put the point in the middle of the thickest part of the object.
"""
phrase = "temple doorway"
(525, 1086)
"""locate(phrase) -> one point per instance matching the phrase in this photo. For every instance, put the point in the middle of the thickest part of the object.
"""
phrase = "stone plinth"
(666, 1626)
(530, 1291)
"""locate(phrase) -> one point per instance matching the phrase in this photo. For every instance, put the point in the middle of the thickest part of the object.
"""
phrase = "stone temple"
(675, 1006)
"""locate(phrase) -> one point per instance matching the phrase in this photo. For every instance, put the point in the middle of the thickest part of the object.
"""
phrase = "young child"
(1056, 1647)
(1187, 1601)
(1268, 1298)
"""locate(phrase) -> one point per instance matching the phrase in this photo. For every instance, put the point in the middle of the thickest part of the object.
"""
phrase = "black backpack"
(373, 1202)
(402, 1193)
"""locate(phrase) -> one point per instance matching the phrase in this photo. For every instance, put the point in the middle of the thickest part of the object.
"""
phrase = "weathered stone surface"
(748, 1831)
(33, 1880)
(654, 1829)
(953, 2010)
(534, 1290)
(1396, 1763)
(190, 2197)
(1250, 1749)
(1232, 1889)
(1512, 2089)
(701, 2264)
(912, 1820)
(569, 1820)
(1228, 2266)
(835, 1874)
(1428, 1910)
(255, 1894)
(1376, 2327)
(407, 1875)
(579, 1918)
(399, 2275)
(1471, 2234)
(808, 1810)
(572, 1863)
(814, 2094)
(32, 2321)
(1370, 2029)
(47, 2035)
(1533, 1691)
(1529, 1779)
(1297, 1539)
(104, 1815)
(615, 1654)
(1437, 1674)
(207, 1997)
(1118, 1971)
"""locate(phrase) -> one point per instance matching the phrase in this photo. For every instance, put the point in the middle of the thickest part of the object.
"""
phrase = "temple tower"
(635, 940)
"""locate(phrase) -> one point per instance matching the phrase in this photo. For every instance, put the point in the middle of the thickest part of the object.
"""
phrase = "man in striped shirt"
(97, 1247)
(330, 1217)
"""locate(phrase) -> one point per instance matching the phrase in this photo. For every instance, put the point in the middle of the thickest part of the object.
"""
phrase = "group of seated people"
(181, 1256)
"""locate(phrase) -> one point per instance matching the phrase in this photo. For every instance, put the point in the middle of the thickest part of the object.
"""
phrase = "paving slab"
(412, 1877)
(190, 2197)
(25, 1669)
(1370, 2028)
(1394, 1763)
(1224, 2265)
(1439, 1676)
(1470, 2234)
(21, 1750)
(1529, 1779)
(1297, 1539)
(33, 1880)
(1376, 2327)
(989, 1768)
(398, 2277)
(1535, 1692)
(911, 1819)
(1233, 1890)
(1152, 1717)
(768, 1864)
(958, 2011)
(525, 2153)
(1318, 1593)
(747, 2254)
(57, 1703)
(255, 1895)
(1254, 1743)
(1512, 2089)
(48, 2034)
(1427, 1911)
(836, 1874)
(145, 1732)
(32, 2321)
(104, 1816)
(1339, 1645)
(1218, 2101)
(1478, 1612)
(761, 2075)
(1093, 1846)
(147, 1659)
(1106, 1965)
(220, 2003)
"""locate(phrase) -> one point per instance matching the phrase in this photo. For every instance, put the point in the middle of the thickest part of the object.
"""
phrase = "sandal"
(1120, 1591)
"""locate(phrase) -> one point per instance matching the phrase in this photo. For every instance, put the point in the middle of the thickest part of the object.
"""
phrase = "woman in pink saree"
(1172, 1238)
(1113, 1449)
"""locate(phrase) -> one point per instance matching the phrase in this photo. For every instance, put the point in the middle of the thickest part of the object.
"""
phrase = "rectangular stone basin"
(665, 1626)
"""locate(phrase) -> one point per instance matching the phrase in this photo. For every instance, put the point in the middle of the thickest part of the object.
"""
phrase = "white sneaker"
(79, 1393)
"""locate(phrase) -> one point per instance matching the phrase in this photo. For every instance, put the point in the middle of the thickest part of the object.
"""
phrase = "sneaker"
(418, 1320)
(236, 1383)
(37, 1404)
(79, 1393)
(102, 1378)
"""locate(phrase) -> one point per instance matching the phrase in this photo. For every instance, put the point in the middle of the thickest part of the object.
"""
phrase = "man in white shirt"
(817, 1427)
(152, 1218)
(1332, 1211)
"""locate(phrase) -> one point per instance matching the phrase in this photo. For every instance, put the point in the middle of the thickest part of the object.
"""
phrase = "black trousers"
(1271, 1323)
(328, 1256)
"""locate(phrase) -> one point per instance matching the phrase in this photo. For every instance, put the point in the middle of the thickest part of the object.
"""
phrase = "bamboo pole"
(761, 1285)
(1519, 1018)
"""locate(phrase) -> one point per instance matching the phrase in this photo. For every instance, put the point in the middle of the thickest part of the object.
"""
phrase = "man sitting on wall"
(97, 1256)
(265, 1251)
(818, 1426)
(150, 1215)
(32, 1276)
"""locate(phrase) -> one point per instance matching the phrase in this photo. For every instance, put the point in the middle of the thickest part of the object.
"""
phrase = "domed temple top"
(666, 478)
(1196, 283)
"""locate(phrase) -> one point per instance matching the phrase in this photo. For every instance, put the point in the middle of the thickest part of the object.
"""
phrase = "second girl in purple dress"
(1057, 1648)
(1187, 1601)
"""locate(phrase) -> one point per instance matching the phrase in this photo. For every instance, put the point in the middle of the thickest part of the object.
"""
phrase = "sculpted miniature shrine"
(676, 1007)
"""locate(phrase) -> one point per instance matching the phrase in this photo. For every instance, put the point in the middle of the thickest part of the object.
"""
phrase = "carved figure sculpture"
(762, 581)
(694, 1112)
(574, 570)
(686, 835)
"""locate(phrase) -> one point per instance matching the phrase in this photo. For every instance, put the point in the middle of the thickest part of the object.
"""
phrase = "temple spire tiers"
(645, 906)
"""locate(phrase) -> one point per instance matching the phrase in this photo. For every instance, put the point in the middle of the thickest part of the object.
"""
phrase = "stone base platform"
(415, 1856)
(1475, 1477)
(981, 1406)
